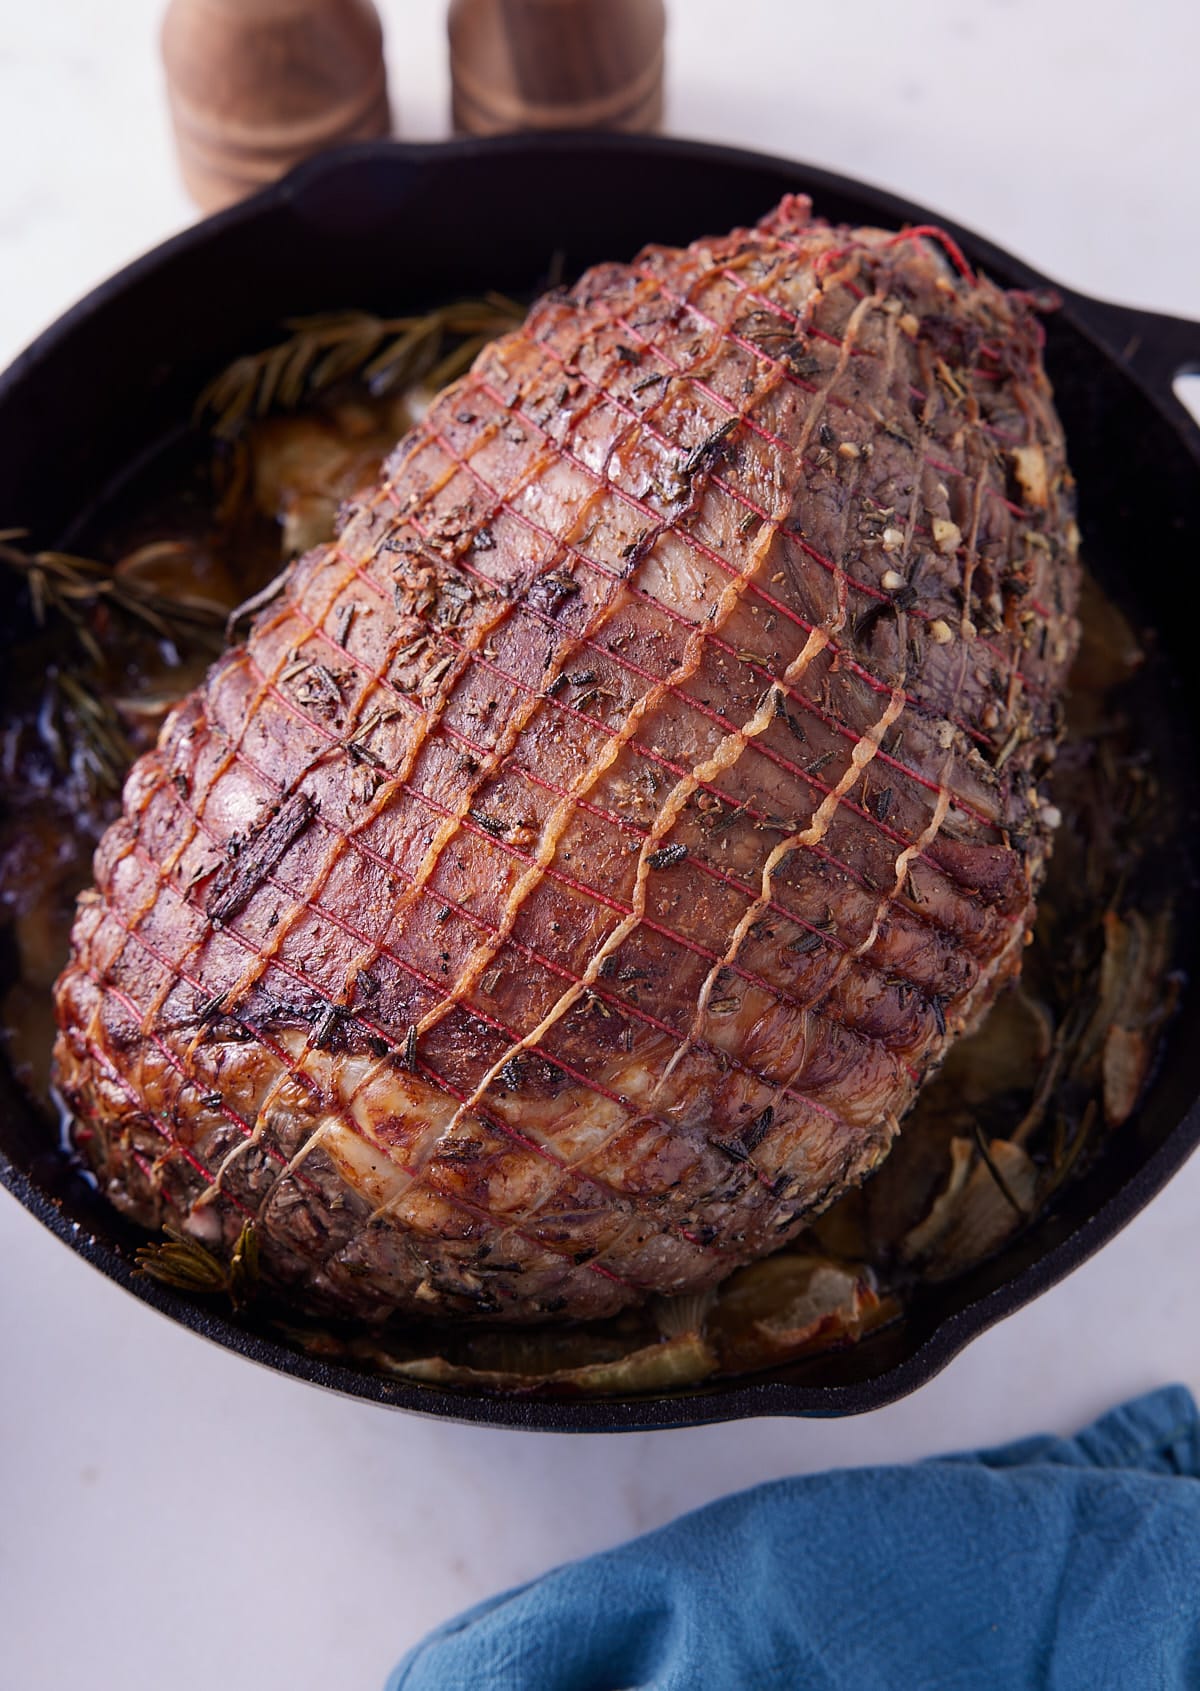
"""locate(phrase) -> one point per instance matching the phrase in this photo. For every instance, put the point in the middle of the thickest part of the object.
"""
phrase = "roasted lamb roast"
(564, 891)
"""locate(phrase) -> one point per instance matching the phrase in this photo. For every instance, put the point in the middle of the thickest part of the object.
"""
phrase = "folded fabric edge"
(1158, 1432)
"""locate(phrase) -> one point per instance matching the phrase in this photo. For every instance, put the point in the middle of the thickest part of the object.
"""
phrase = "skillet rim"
(1155, 346)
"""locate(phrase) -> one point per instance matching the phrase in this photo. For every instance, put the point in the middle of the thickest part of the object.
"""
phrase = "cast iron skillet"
(388, 227)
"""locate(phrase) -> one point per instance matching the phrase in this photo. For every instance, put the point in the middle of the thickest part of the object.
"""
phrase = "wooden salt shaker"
(556, 64)
(256, 85)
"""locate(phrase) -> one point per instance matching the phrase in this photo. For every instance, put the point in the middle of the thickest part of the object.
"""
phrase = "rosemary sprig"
(75, 588)
(92, 728)
(387, 353)
(83, 716)
(183, 1264)
(244, 1267)
(989, 1162)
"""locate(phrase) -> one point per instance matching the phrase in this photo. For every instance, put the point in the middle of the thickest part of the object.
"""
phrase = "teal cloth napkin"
(1071, 1564)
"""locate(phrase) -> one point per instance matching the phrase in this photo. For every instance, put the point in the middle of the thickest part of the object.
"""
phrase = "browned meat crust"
(567, 887)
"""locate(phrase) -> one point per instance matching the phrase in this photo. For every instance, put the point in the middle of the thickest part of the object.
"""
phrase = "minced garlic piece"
(947, 536)
(1032, 474)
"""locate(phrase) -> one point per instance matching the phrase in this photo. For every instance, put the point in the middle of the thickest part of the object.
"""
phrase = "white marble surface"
(169, 1514)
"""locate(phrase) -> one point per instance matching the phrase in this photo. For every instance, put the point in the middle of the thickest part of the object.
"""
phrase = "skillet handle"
(357, 189)
(1153, 347)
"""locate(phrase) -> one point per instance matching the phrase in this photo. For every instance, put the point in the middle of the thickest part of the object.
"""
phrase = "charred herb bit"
(746, 1140)
(235, 885)
(800, 362)
(327, 1026)
(490, 824)
(387, 353)
(667, 856)
(705, 456)
(754, 1135)
(213, 1006)
(635, 552)
(551, 590)
(434, 674)
(320, 685)
(356, 744)
(451, 605)
(346, 617)
(363, 754)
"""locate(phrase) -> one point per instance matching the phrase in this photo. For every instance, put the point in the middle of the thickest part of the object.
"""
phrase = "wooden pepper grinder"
(256, 85)
(556, 64)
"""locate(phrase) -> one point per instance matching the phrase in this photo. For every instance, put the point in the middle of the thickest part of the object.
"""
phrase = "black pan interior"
(390, 227)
